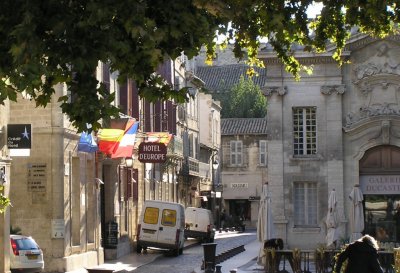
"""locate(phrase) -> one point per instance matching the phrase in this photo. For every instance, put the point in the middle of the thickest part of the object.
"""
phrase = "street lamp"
(215, 165)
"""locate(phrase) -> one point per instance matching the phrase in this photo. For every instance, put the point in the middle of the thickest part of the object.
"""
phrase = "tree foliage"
(47, 42)
(244, 100)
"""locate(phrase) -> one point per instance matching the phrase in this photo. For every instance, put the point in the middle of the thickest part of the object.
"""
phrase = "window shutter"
(171, 110)
(123, 95)
(239, 153)
(135, 100)
(233, 152)
(129, 183)
(147, 117)
(157, 116)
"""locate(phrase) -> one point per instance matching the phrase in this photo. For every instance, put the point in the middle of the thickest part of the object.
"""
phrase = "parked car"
(25, 255)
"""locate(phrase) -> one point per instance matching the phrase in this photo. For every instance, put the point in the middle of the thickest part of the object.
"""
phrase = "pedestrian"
(361, 256)
(222, 219)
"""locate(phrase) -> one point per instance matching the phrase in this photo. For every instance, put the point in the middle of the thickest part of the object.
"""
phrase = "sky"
(312, 12)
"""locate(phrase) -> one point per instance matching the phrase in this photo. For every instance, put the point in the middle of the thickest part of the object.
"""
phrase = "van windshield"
(168, 217)
(151, 216)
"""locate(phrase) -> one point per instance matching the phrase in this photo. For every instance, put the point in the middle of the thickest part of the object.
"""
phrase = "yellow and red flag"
(159, 137)
(110, 138)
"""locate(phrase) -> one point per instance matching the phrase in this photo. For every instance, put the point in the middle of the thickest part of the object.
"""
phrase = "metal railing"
(313, 261)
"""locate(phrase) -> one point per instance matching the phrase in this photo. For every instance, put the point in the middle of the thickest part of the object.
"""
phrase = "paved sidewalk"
(131, 261)
(242, 262)
(245, 261)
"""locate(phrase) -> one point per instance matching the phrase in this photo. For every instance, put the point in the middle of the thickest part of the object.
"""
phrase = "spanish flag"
(159, 137)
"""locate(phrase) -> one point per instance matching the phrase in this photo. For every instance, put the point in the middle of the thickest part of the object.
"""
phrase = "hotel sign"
(380, 184)
(152, 152)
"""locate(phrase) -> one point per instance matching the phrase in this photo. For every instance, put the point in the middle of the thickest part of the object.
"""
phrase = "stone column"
(334, 142)
(275, 96)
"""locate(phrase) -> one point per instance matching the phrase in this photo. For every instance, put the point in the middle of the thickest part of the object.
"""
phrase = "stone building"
(83, 207)
(244, 166)
(53, 190)
(247, 173)
(335, 129)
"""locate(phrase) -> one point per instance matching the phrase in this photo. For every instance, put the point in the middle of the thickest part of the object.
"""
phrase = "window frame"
(305, 131)
(168, 217)
(309, 204)
(262, 153)
(235, 156)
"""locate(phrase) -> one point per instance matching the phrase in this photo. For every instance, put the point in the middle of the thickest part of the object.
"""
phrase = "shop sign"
(254, 198)
(151, 152)
(380, 184)
(239, 185)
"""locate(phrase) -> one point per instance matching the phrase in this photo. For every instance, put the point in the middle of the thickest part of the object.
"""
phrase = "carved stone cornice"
(361, 40)
(305, 60)
(329, 89)
(367, 112)
(269, 90)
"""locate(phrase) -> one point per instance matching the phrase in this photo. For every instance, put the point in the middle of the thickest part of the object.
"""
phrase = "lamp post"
(215, 165)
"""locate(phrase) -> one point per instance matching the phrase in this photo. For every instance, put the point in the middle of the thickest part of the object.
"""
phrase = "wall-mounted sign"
(37, 177)
(239, 185)
(57, 228)
(254, 198)
(19, 136)
(380, 184)
(151, 152)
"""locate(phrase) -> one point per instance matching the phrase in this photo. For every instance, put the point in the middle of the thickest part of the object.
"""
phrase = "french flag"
(125, 146)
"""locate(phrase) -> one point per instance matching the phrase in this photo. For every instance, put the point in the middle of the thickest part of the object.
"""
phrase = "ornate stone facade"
(357, 108)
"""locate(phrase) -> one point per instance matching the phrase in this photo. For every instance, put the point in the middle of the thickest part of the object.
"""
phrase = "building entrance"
(380, 185)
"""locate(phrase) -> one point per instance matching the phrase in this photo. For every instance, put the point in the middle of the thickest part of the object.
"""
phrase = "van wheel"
(175, 252)
(139, 249)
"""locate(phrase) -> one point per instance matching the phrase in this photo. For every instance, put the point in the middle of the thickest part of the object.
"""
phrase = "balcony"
(193, 167)
(204, 170)
(175, 148)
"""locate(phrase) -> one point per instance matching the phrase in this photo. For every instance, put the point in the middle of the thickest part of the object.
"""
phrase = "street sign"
(152, 152)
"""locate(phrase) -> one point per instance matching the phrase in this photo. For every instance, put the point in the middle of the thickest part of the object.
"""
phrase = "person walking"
(362, 257)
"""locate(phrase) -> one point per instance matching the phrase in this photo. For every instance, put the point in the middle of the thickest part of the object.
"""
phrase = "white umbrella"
(357, 214)
(332, 221)
(265, 225)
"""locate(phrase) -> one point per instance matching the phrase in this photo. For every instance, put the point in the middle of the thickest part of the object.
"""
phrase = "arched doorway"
(380, 184)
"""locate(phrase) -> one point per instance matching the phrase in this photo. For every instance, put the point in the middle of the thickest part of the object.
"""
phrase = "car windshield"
(26, 244)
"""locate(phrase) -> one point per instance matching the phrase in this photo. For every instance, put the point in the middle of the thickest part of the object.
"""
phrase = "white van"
(161, 225)
(199, 224)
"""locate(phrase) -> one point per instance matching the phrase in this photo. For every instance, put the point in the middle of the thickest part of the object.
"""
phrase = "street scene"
(199, 136)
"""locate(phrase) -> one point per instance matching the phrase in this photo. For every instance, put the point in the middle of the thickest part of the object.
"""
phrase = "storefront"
(380, 185)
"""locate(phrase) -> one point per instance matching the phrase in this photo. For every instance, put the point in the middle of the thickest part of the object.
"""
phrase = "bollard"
(209, 255)
(209, 268)
(218, 269)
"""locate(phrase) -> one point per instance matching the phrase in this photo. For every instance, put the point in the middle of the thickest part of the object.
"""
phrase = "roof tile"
(243, 126)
